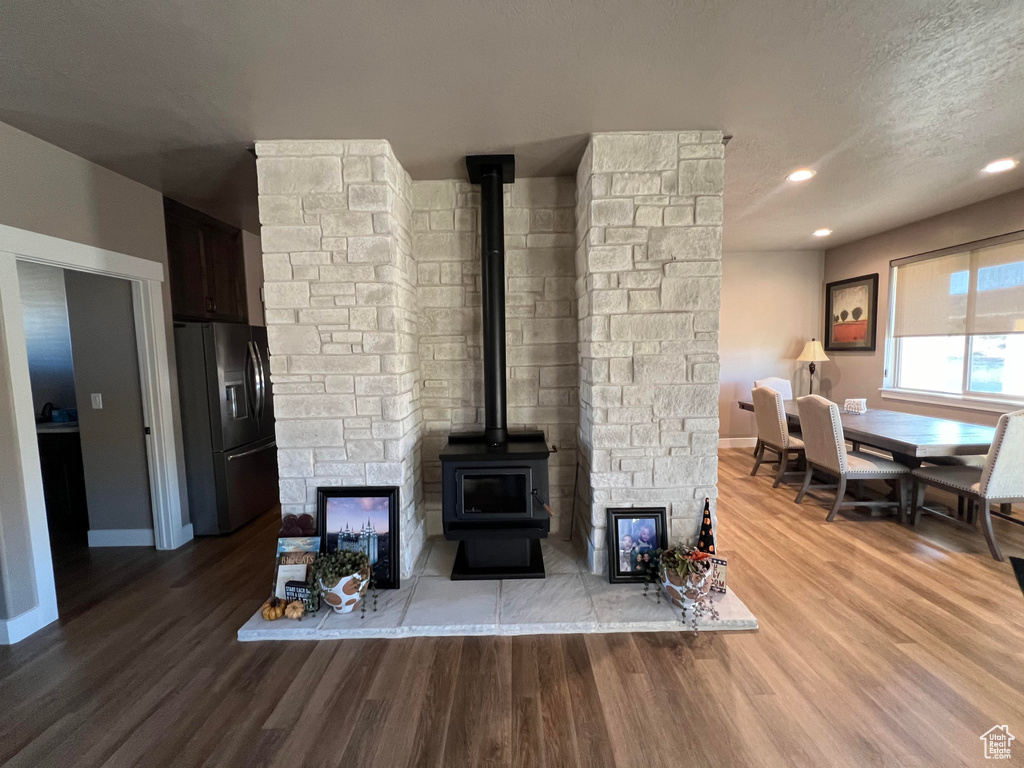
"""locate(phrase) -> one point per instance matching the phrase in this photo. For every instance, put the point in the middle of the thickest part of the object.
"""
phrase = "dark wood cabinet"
(185, 261)
(60, 462)
(207, 267)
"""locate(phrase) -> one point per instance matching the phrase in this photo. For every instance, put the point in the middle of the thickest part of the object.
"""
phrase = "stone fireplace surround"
(613, 283)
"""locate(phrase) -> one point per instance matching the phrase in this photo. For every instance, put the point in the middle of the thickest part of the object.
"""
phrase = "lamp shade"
(813, 353)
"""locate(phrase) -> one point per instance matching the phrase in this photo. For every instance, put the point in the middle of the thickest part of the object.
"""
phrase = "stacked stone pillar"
(648, 289)
(341, 314)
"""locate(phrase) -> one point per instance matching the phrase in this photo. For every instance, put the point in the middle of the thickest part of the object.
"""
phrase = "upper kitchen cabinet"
(207, 268)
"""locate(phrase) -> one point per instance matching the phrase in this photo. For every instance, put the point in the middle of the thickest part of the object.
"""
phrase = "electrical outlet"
(97, 401)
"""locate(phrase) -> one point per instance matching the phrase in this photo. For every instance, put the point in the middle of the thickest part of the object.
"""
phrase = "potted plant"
(684, 577)
(341, 578)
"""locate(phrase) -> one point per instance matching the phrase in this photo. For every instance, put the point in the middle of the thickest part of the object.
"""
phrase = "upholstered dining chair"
(964, 510)
(999, 481)
(773, 432)
(783, 387)
(825, 450)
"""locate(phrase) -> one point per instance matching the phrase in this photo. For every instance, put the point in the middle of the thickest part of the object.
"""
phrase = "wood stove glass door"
(493, 493)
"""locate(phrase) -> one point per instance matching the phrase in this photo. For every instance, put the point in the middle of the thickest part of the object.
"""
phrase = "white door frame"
(146, 278)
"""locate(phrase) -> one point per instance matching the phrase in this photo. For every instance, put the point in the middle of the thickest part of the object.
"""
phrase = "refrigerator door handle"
(261, 449)
(252, 398)
(262, 381)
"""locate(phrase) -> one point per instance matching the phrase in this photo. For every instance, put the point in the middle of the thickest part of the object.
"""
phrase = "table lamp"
(813, 353)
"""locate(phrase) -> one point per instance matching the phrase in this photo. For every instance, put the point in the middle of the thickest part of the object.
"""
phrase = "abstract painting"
(851, 314)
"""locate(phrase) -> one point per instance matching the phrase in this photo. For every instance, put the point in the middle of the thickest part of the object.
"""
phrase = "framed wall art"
(634, 536)
(362, 519)
(851, 314)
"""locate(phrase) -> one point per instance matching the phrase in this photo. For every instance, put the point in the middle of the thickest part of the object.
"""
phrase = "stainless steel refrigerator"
(227, 419)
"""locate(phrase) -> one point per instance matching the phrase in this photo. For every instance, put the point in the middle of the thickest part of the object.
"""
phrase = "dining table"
(909, 437)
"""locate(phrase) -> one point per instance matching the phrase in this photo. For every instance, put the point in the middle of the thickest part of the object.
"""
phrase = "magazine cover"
(294, 556)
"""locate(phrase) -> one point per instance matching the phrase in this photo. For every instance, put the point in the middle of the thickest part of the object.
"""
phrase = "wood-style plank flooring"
(879, 646)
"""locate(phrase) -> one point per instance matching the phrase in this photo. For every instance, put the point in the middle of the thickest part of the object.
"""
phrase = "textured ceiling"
(897, 105)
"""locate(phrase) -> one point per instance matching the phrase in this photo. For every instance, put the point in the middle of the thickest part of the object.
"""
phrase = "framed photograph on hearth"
(362, 519)
(634, 538)
(851, 314)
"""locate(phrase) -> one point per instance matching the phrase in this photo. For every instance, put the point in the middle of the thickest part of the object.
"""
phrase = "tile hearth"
(569, 601)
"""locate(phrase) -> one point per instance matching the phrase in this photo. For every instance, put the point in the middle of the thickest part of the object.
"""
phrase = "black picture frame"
(633, 519)
(334, 509)
(854, 333)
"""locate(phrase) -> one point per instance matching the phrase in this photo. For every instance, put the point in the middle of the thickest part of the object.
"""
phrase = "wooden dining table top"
(906, 434)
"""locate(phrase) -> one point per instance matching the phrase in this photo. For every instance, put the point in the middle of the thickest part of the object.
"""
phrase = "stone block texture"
(540, 323)
(342, 319)
(613, 284)
(648, 288)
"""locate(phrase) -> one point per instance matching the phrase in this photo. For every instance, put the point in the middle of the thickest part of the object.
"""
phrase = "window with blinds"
(957, 320)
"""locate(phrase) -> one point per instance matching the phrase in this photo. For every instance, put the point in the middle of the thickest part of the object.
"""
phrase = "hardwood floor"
(879, 645)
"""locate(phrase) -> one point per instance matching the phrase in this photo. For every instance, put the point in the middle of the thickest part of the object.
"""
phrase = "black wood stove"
(495, 485)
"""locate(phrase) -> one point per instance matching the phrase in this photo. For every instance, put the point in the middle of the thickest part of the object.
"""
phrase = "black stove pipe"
(492, 237)
(491, 172)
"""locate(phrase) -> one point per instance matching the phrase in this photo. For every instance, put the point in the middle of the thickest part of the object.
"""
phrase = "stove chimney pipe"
(491, 172)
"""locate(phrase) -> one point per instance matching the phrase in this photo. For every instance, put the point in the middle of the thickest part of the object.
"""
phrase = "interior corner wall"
(253, 255)
(861, 374)
(771, 305)
(45, 189)
(540, 323)
(648, 287)
(342, 321)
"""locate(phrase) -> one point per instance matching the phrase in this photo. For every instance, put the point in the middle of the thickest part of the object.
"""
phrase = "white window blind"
(925, 303)
(999, 293)
(973, 292)
(957, 320)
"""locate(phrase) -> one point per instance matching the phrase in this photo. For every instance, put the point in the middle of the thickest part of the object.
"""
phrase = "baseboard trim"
(17, 629)
(182, 536)
(737, 442)
(122, 537)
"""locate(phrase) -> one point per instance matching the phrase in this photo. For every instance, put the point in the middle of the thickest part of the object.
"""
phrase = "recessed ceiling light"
(998, 166)
(802, 175)
(822, 232)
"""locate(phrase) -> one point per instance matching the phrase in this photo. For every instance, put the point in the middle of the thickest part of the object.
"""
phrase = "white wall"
(771, 305)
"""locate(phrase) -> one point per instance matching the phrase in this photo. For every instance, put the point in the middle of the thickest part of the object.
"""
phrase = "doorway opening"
(83, 364)
(154, 497)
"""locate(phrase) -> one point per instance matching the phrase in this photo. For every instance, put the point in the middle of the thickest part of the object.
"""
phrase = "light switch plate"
(97, 401)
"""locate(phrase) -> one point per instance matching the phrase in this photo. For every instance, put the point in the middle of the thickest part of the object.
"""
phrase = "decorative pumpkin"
(273, 609)
(294, 609)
